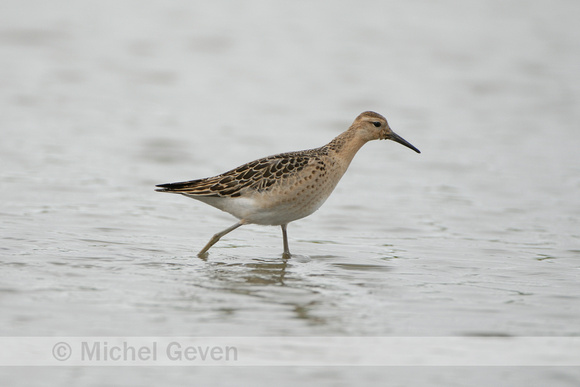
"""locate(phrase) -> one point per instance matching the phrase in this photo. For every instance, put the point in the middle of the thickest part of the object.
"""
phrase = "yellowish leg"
(217, 237)
(286, 253)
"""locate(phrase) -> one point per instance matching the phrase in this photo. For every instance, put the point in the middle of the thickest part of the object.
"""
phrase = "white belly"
(253, 210)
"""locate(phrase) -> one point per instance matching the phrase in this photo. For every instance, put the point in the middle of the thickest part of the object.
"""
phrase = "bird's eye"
(377, 124)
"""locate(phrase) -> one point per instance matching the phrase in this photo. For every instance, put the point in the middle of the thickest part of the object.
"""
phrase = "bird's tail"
(180, 187)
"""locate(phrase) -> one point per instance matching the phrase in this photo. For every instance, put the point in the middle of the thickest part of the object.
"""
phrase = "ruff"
(279, 189)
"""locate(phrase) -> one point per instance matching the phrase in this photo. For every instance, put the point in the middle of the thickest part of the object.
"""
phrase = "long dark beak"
(395, 137)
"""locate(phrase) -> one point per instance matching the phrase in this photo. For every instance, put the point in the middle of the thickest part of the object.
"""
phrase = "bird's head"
(372, 126)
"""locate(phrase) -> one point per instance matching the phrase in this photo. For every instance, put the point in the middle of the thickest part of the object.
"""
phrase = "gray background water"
(478, 235)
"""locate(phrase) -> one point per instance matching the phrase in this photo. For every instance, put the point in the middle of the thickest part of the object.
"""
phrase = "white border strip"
(289, 351)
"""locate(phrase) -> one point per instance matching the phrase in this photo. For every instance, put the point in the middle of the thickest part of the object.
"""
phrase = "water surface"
(478, 235)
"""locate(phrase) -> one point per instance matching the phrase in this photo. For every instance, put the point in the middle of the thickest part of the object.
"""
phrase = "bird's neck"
(345, 145)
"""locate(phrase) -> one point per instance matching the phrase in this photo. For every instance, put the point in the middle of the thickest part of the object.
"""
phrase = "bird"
(285, 187)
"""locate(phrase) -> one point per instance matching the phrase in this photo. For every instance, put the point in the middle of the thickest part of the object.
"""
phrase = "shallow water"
(477, 236)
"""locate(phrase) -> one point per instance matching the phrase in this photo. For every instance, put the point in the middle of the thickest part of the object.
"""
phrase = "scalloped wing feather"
(259, 175)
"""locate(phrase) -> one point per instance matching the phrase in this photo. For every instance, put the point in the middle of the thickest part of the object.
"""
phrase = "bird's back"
(272, 190)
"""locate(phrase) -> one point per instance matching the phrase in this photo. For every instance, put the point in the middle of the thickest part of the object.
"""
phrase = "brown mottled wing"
(259, 175)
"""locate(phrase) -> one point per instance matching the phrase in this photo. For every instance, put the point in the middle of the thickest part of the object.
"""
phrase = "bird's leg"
(286, 253)
(217, 237)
